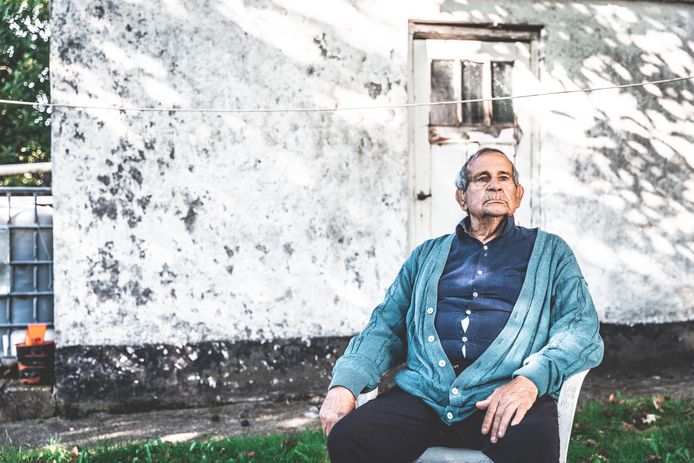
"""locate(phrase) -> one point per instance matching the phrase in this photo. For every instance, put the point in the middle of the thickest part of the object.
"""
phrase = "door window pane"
(442, 90)
(473, 113)
(502, 111)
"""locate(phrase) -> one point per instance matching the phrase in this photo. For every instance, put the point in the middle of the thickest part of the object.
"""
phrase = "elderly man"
(490, 321)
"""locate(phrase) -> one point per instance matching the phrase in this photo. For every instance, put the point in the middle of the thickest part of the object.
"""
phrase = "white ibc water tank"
(25, 244)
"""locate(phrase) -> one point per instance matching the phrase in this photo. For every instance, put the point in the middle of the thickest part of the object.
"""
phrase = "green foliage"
(24, 49)
(626, 430)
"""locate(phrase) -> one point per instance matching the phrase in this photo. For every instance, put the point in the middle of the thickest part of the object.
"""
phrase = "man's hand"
(515, 397)
(337, 404)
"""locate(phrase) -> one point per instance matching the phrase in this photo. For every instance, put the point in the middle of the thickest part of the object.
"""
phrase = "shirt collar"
(463, 228)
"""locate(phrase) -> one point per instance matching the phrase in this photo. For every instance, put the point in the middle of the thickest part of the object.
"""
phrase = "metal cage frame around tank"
(9, 263)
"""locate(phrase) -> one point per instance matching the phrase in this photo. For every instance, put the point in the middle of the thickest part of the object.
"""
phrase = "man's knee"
(534, 439)
(341, 439)
(337, 435)
(539, 428)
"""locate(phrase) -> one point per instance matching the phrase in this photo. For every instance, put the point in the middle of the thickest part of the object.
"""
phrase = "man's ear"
(460, 199)
(520, 191)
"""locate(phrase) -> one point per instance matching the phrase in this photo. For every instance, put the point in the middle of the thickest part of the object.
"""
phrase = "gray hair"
(463, 180)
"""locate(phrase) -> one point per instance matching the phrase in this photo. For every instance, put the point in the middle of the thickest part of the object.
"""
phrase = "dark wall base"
(137, 378)
(650, 348)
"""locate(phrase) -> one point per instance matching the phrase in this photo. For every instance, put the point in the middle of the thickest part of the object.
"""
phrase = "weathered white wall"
(187, 226)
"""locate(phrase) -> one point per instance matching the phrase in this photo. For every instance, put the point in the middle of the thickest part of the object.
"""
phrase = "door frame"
(463, 30)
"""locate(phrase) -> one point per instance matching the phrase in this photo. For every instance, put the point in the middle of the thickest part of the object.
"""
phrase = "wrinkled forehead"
(492, 161)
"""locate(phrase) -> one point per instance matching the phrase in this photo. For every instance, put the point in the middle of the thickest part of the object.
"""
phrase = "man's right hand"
(337, 404)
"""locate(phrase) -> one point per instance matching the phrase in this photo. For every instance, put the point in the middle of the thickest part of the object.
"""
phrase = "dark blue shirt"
(479, 287)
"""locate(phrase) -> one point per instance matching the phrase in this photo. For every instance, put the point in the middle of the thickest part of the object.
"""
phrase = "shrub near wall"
(25, 133)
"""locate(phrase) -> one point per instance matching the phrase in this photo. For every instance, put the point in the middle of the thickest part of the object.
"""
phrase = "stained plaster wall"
(187, 227)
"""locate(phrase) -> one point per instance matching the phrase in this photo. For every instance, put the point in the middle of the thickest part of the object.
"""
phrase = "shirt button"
(479, 272)
(468, 312)
(464, 339)
(485, 247)
(431, 338)
(442, 363)
(430, 310)
(449, 415)
(455, 391)
(474, 294)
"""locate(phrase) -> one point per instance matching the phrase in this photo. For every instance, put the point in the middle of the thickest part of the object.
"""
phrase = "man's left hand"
(514, 398)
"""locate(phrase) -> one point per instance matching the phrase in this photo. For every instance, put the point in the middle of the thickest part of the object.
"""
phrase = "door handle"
(421, 196)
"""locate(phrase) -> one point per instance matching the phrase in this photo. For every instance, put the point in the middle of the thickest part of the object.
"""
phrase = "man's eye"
(482, 179)
(504, 178)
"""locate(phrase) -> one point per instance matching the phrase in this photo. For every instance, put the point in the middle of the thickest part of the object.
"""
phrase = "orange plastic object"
(35, 334)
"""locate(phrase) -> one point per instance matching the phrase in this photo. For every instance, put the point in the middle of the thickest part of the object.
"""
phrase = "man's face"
(491, 191)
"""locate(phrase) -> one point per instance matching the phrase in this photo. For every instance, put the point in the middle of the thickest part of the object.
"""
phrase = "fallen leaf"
(612, 399)
(291, 443)
(654, 458)
(649, 418)
(658, 402)
(629, 427)
(591, 442)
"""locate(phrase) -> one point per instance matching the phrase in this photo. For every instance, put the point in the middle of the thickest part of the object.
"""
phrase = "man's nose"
(494, 185)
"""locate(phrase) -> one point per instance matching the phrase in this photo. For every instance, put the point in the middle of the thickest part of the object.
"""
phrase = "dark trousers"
(398, 427)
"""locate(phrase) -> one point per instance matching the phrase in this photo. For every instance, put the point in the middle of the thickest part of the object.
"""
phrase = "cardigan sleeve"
(382, 343)
(574, 342)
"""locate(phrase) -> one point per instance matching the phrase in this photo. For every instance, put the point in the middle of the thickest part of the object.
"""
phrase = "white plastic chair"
(566, 408)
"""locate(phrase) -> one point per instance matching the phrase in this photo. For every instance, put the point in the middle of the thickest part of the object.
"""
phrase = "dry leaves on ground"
(658, 401)
(630, 427)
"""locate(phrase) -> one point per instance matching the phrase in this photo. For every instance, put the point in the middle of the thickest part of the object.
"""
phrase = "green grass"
(618, 431)
(308, 446)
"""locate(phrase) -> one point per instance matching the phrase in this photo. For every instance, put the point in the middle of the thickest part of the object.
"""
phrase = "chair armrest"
(365, 397)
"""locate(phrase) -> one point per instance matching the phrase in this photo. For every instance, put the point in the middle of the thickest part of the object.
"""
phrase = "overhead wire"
(38, 105)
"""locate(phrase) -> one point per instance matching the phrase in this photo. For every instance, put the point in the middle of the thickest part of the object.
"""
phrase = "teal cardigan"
(551, 334)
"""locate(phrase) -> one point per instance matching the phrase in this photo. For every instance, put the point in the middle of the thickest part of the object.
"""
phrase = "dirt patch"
(170, 425)
(671, 381)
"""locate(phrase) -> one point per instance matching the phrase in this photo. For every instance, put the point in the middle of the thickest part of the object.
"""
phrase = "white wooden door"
(444, 136)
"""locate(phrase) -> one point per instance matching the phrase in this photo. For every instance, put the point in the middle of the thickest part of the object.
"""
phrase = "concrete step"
(24, 402)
